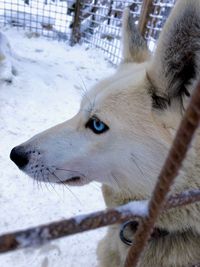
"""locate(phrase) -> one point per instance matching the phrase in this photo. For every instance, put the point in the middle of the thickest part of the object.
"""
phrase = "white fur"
(7, 69)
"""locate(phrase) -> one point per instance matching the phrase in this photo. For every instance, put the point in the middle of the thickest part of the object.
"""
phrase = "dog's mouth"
(76, 180)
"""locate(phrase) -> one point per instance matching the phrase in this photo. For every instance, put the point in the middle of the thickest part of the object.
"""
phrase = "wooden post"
(147, 7)
(76, 34)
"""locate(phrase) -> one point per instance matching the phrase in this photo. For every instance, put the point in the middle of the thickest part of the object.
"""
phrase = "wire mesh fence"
(156, 20)
(95, 22)
(38, 17)
(102, 28)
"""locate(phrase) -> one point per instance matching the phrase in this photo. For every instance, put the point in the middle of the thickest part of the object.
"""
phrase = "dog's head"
(126, 123)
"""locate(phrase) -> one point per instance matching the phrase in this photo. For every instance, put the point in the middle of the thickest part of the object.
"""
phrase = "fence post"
(76, 33)
(147, 7)
(110, 11)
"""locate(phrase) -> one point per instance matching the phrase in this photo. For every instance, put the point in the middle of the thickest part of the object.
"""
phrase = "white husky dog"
(7, 69)
(122, 134)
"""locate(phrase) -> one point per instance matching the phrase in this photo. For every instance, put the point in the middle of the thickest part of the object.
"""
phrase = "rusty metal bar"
(173, 163)
(42, 234)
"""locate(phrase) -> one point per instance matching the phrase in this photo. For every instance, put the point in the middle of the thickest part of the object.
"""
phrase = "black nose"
(19, 157)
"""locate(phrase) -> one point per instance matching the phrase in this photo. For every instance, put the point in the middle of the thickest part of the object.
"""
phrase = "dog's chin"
(75, 181)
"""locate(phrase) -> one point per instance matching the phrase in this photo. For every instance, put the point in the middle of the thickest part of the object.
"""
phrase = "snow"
(47, 90)
(137, 208)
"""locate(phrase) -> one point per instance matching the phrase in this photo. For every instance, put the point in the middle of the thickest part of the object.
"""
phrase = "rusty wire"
(167, 175)
(44, 233)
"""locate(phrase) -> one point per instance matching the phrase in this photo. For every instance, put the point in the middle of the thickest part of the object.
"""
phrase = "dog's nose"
(19, 157)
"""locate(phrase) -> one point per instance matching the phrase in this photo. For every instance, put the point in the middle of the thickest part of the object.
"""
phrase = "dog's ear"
(134, 45)
(175, 67)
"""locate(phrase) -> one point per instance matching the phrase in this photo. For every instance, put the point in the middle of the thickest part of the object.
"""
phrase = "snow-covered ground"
(47, 91)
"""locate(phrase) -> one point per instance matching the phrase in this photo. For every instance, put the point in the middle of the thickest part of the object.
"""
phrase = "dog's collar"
(132, 226)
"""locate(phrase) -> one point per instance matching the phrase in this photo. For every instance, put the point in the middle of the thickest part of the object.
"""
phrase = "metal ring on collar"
(122, 229)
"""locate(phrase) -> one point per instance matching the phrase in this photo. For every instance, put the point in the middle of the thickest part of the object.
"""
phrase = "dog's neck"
(161, 232)
(113, 198)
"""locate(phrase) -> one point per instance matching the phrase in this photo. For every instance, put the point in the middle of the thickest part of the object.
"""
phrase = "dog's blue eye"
(96, 125)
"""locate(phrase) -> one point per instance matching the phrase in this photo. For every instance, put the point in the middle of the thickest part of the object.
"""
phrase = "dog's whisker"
(133, 158)
(95, 187)
(84, 88)
(37, 181)
(34, 181)
(52, 173)
(117, 182)
(88, 110)
(53, 187)
(43, 180)
(85, 93)
(49, 183)
(114, 178)
(93, 103)
(47, 187)
(40, 185)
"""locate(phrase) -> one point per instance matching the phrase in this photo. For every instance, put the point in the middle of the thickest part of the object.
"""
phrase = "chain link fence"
(99, 24)
(95, 22)
(159, 12)
(38, 17)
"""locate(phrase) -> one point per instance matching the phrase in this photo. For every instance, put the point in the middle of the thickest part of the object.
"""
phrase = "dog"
(122, 134)
(7, 68)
